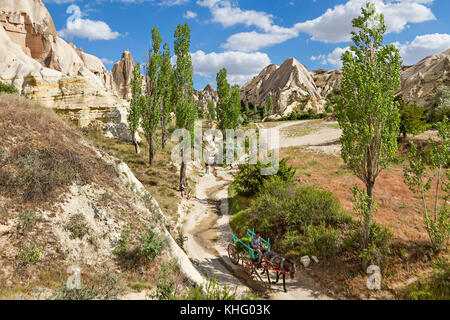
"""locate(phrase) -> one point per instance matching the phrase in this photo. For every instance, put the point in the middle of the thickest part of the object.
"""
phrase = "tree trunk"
(182, 175)
(163, 121)
(151, 150)
(163, 130)
(136, 144)
(367, 222)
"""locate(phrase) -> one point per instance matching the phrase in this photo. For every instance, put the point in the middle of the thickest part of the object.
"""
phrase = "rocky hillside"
(418, 82)
(290, 85)
(47, 69)
(65, 203)
(327, 80)
(203, 97)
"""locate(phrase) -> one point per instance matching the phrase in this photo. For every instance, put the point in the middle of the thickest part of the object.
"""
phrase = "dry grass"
(303, 129)
(161, 180)
(40, 154)
(42, 157)
(398, 209)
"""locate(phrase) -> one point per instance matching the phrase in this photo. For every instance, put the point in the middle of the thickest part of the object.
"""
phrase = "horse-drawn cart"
(252, 262)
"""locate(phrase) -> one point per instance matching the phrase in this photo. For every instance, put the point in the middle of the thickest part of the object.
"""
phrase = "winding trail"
(205, 222)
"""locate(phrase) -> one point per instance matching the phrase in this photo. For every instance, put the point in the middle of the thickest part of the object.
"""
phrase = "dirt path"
(324, 140)
(206, 224)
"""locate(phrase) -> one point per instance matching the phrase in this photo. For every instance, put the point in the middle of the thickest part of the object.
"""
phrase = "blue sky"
(246, 35)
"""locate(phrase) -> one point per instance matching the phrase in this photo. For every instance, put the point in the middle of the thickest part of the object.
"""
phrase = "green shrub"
(297, 219)
(8, 88)
(440, 106)
(27, 218)
(165, 287)
(180, 238)
(321, 240)
(310, 114)
(248, 181)
(435, 288)
(123, 242)
(152, 243)
(380, 243)
(240, 222)
(106, 287)
(412, 118)
(77, 231)
(212, 291)
(31, 254)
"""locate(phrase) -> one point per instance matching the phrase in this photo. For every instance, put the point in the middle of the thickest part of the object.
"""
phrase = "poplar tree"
(211, 110)
(136, 104)
(185, 109)
(152, 110)
(223, 104)
(228, 107)
(367, 112)
(166, 82)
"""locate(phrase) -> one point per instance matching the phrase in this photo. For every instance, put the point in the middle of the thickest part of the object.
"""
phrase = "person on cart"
(257, 245)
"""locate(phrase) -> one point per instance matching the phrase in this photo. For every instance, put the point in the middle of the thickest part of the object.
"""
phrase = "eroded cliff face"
(47, 69)
(327, 80)
(203, 97)
(122, 73)
(419, 82)
(290, 85)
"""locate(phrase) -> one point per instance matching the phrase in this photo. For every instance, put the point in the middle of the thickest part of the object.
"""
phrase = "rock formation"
(327, 80)
(122, 74)
(204, 96)
(45, 68)
(418, 82)
(290, 85)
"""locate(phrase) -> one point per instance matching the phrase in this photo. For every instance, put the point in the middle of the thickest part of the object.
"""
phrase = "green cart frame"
(248, 261)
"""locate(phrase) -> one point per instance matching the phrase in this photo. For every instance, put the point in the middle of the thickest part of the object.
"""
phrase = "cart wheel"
(232, 254)
(249, 267)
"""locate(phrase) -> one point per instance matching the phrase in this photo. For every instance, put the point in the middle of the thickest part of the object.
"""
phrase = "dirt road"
(205, 222)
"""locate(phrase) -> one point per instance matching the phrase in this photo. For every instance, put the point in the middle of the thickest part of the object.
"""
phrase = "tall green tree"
(136, 104)
(185, 108)
(152, 110)
(423, 167)
(412, 118)
(228, 107)
(166, 82)
(440, 106)
(367, 112)
(211, 110)
(270, 106)
(235, 100)
(223, 104)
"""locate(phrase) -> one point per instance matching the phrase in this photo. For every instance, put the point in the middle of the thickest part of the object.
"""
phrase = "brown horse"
(283, 265)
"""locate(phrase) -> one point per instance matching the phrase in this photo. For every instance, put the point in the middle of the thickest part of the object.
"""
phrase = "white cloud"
(423, 46)
(335, 24)
(171, 3)
(240, 66)
(333, 58)
(59, 1)
(78, 27)
(190, 15)
(251, 41)
(227, 15)
(107, 61)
